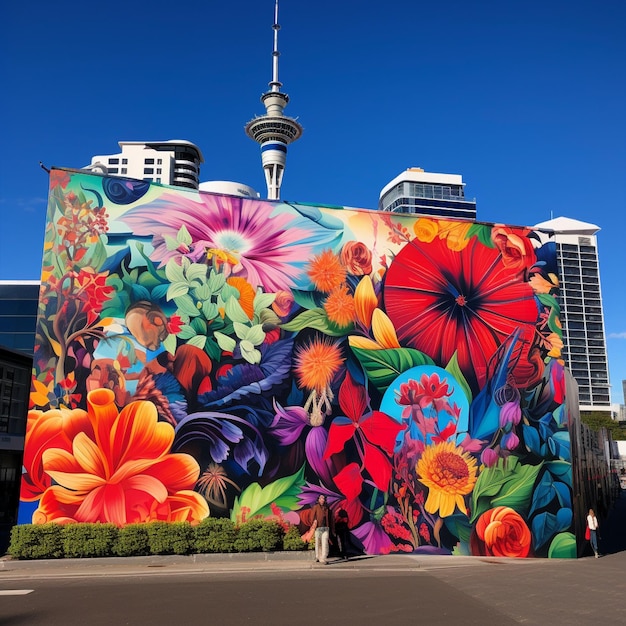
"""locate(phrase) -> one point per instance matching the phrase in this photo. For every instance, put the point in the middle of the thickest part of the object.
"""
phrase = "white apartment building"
(173, 162)
(582, 315)
(427, 193)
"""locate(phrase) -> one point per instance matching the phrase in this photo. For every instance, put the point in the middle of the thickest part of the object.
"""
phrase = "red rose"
(501, 532)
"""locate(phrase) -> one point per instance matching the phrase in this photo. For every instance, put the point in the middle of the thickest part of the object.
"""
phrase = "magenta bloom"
(249, 238)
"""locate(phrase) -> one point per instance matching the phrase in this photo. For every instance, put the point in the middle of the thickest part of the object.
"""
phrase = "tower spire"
(274, 130)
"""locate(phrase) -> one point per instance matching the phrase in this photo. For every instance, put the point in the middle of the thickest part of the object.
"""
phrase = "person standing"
(342, 532)
(322, 521)
(592, 525)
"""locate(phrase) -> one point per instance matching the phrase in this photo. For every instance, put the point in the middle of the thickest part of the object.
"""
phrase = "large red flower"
(371, 431)
(443, 301)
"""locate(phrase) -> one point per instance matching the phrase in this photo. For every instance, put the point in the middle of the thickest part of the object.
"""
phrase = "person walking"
(323, 522)
(592, 526)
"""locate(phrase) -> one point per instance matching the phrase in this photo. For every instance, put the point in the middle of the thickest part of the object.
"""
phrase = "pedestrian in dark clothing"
(342, 532)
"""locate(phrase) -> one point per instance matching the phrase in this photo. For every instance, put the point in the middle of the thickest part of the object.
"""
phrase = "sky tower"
(274, 131)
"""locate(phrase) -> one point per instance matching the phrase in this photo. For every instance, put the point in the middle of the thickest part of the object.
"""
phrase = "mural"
(205, 355)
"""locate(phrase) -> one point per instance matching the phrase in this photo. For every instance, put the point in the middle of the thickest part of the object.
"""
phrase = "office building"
(582, 316)
(426, 193)
(274, 131)
(174, 162)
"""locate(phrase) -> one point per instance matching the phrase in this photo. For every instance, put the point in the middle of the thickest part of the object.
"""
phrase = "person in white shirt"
(592, 524)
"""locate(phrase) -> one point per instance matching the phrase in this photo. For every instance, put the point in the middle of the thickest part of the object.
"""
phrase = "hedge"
(54, 541)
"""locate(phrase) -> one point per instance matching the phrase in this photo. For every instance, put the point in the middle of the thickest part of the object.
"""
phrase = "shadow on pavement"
(613, 530)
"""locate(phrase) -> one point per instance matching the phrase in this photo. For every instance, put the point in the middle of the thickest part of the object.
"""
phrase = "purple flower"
(489, 457)
(510, 415)
(374, 539)
(510, 441)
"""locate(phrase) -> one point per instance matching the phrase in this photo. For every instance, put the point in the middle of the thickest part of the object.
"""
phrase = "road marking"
(15, 592)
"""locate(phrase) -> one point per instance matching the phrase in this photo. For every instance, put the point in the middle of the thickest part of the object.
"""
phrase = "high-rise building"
(582, 315)
(274, 131)
(425, 193)
(174, 162)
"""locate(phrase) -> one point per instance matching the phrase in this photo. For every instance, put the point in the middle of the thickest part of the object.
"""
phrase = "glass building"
(18, 317)
(582, 315)
(425, 193)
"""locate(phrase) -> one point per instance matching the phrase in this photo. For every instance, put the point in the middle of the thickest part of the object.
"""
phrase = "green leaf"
(177, 289)
(225, 342)
(197, 272)
(483, 233)
(199, 325)
(235, 312)
(255, 335)
(384, 366)
(267, 316)
(183, 236)
(249, 352)
(216, 281)
(563, 546)
(317, 319)
(174, 272)
(241, 330)
(508, 483)
(307, 299)
(455, 370)
(170, 243)
(263, 300)
(258, 500)
(209, 310)
(198, 341)
(186, 332)
(169, 343)
(202, 292)
(186, 305)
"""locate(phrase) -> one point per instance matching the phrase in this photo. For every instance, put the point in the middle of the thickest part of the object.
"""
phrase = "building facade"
(418, 192)
(174, 162)
(19, 301)
(582, 315)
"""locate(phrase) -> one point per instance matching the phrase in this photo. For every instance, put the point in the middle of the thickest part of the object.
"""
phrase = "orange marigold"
(339, 306)
(326, 271)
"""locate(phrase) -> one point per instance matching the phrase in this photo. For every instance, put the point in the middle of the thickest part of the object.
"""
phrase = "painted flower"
(430, 390)
(119, 470)
(450, 474)
(326, 271)
(357, 258)
(501, 532)
(283, 303)
(339, 306)
(316, 365)
(92, 290)
(374, 433)
(516, 247)
(426, 229)
(469, 302)
(249, 237)
(59, 178)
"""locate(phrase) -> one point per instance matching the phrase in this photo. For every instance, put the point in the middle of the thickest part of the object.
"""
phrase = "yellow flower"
(455, 234)
(449, 473)
(426, 229)
(365, 301)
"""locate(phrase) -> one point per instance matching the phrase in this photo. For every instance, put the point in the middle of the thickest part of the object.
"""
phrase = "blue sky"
(526, 100)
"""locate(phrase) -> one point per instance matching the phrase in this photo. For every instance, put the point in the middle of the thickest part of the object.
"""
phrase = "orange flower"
(426, 229)
(516, 247)
(339, 306)
(357, 257)
(449, 473)
(365, 301)
(119, 470)
(501, 532)
(326, 271)
(246, 294)
(455, 234)
(316, 365)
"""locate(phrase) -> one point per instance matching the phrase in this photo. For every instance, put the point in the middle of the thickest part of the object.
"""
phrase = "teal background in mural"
(201, 355)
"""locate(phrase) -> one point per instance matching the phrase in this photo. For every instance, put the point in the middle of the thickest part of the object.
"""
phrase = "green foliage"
(293, 541)
(36, 541)
(132, 540)
(170, 537)
(600, 419)
(259, 535)
(89, 540)
(215, 534)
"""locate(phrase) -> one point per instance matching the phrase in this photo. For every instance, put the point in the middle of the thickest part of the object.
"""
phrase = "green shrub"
(132, 540)
(259, 536)
(89, 540)
(36, 541)
(293, 541)
(170, 537)
(215, 534)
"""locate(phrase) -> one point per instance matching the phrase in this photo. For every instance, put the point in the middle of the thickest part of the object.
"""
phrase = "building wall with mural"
(199, 355)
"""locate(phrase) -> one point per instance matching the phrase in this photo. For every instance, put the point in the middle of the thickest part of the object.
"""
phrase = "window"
(158, 180)
(148, 170)
(158, 170)
(113, 161)
(124, 161)
(113, 170)
(149, 161)
(124, 170)
(159, 161)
